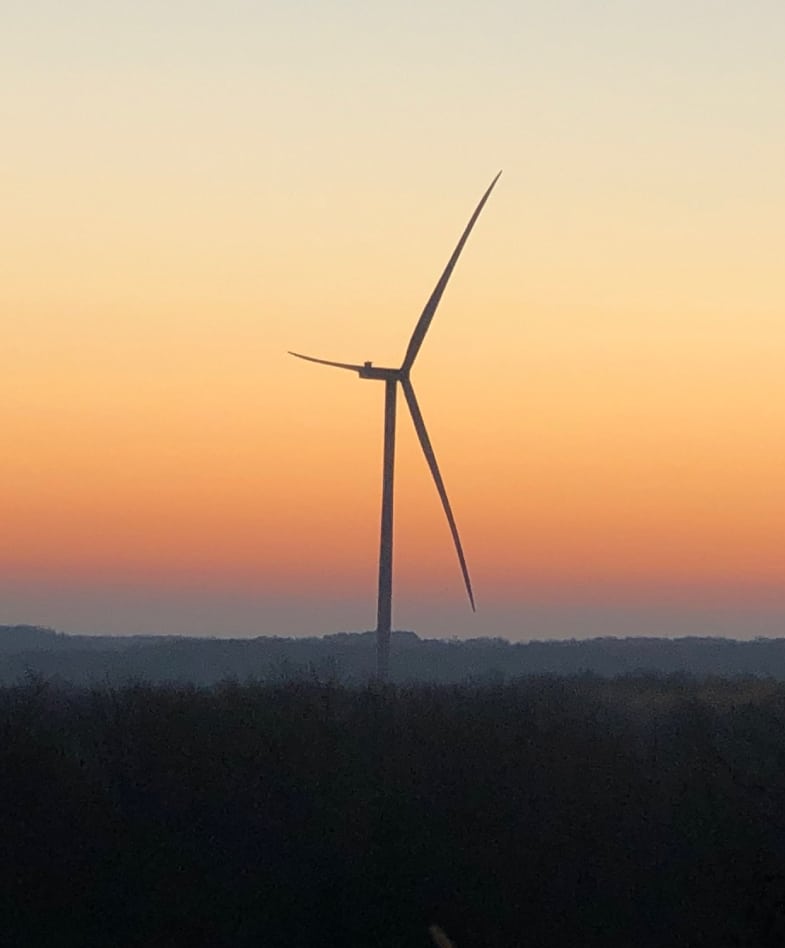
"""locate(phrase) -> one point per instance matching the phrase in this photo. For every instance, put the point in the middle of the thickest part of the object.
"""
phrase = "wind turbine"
(392, 378)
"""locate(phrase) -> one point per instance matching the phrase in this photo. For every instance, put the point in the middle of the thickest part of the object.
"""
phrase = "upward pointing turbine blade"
(430, 307)
(430, 457)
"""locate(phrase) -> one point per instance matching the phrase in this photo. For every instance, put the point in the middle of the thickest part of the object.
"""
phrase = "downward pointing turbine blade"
(430, 307)
(338, 365)
(430, 457)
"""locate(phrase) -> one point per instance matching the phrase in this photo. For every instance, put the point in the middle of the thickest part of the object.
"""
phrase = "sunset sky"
(189, 190)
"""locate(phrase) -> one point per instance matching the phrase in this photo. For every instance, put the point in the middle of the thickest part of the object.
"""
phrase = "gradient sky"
(191, 189)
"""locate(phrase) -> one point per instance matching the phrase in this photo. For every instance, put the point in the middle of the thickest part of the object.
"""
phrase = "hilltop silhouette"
(351, 657)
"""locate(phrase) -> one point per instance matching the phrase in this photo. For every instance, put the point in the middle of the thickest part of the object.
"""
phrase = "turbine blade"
(338, 365)
(430, 457)
(430, 307)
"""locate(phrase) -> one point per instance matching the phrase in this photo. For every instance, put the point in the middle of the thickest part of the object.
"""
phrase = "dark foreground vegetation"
(546, 811)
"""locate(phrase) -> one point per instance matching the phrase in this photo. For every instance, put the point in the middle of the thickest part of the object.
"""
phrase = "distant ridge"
(350, 657)
(16, 638)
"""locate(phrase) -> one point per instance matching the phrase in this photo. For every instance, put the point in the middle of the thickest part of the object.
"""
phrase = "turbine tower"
(392, 378)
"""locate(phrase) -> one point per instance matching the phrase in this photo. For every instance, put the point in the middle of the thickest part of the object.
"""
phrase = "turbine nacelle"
(371, 371)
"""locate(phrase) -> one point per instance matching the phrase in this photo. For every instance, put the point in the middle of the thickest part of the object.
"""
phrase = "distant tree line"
(351, 657)
(544, 811)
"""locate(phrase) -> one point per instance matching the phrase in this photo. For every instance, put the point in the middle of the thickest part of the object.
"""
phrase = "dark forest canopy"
(350, 657)
(547, 812)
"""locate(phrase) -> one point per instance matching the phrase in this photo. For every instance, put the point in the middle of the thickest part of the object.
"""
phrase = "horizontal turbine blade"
(430, 307)
(430, 457)
(338, 365)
